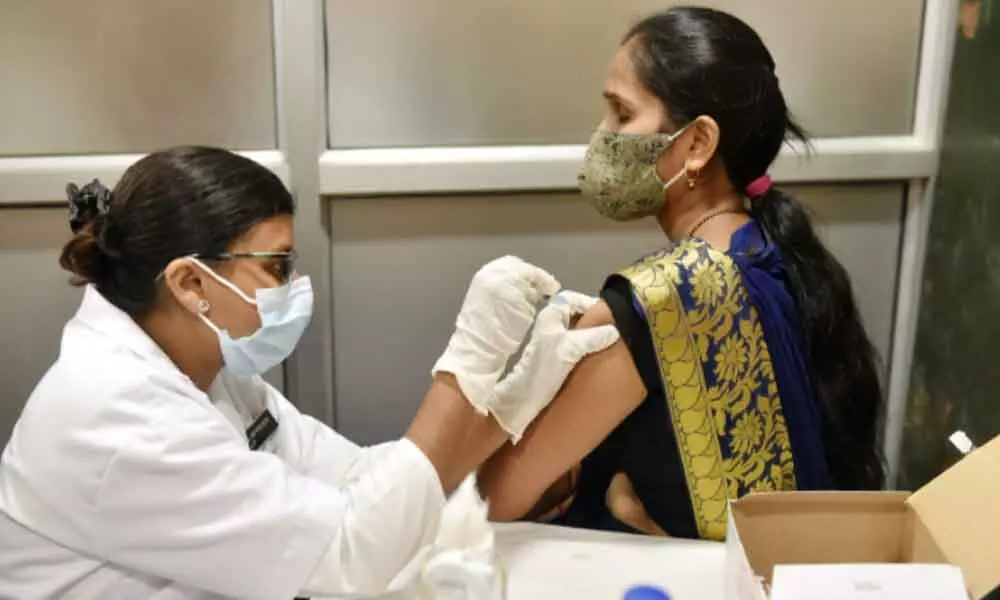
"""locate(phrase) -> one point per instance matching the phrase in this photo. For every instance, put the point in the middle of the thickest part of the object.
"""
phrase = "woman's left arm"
(600, 393)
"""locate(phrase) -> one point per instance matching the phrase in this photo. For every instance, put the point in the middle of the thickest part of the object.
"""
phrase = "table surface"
(545, 562)
(553, 562)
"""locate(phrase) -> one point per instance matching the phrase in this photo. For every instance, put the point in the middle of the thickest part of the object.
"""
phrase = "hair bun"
(83, 256)
(87, 203)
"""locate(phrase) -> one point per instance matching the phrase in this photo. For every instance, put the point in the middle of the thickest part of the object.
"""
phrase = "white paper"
(961, 441)
(868, 582)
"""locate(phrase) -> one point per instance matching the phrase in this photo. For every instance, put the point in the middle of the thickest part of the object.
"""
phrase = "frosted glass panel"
(125, 76)
(401, 267)
(453, 72)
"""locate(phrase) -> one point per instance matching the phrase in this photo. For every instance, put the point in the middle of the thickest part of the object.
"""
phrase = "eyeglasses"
(284, 267)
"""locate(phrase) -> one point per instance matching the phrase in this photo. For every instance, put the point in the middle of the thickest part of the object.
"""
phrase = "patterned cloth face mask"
(619, 173)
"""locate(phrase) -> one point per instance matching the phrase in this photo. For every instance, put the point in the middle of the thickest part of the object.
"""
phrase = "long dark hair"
(178, 202)
(700, 61)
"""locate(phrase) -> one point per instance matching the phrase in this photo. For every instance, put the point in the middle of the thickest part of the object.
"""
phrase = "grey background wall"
(124, 76)
(116, 76)
(111, 76)
(401, 266)
(446, 72)
(36, 302)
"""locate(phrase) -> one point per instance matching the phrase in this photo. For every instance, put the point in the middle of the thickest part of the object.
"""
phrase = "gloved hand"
(551, 354)
(497, 314)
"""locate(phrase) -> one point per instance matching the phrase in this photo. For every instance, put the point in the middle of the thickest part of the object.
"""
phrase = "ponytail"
(843, 360)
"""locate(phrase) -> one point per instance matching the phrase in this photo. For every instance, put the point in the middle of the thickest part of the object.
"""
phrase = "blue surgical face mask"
(284, 313)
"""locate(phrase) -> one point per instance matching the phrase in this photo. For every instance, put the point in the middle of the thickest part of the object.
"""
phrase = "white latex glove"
(551, 354)
(497, 314)
(462, 563)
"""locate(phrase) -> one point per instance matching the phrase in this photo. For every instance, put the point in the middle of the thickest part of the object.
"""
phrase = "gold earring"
(692, 178)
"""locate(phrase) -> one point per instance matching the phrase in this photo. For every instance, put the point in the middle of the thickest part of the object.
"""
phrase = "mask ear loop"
(671, 138)
(203, 305)
(223, 280)
(673, 180)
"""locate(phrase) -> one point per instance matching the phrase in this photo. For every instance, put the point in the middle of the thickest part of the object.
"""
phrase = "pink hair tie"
(760, 186)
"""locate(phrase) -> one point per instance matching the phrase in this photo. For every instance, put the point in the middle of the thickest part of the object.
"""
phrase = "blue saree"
(717, 339)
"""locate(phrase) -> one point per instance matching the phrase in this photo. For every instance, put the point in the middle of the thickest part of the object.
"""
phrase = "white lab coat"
(123, 480)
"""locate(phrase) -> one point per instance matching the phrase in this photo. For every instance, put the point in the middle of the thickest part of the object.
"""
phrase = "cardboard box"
(955, 519)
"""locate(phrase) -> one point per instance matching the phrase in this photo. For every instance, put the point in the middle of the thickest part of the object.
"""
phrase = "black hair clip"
(87, 203)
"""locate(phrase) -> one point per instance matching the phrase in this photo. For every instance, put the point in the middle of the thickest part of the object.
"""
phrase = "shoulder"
(86, 409)
(98, 397)
(80, 386)
(691, 266)
(595, 316)
(678, 260)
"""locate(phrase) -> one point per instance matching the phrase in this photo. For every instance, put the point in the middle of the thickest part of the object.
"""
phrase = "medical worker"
(153, 461)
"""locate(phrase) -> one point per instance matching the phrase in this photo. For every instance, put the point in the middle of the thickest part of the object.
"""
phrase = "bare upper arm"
(598, 395)
(596, 315)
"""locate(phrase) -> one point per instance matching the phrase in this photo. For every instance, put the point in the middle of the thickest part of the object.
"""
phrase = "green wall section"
(955, 382)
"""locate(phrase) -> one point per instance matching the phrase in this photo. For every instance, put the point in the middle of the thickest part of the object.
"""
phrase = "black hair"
(700, 61)
(173, 203)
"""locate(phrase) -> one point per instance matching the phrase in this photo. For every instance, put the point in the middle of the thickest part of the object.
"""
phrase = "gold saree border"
(718, 379)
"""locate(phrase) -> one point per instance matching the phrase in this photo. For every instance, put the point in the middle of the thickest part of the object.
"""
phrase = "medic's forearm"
(390, 511)
(447, 440)
(454, 437)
